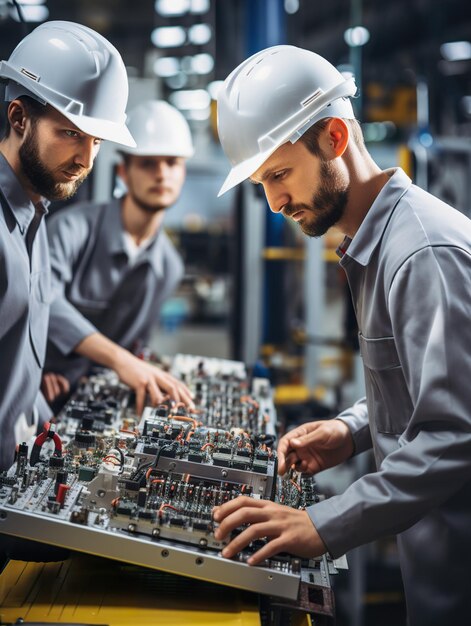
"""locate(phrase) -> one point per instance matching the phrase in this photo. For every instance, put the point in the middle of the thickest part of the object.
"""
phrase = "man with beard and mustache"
(285, 121)
(53, 130)
(66, 90)
(112, 263)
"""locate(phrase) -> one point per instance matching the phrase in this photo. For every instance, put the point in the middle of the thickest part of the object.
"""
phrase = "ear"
(17, 116)
(338, 136)
(121, 170)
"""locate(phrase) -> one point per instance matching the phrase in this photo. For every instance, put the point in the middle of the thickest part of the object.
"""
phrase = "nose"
(276, 199)
(87, 152)
(161, 169)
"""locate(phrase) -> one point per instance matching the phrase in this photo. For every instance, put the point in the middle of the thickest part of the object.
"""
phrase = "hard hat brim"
(102, 129)
(244, 170)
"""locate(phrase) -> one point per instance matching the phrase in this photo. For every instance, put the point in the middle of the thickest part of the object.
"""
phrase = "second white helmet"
(273, 97)
(159, 130)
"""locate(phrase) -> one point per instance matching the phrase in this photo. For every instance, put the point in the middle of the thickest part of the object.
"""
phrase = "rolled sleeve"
(67, 326)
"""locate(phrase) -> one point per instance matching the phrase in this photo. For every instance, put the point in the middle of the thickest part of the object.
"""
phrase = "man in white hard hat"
(286, 122)
(112, 263)
(66, 90)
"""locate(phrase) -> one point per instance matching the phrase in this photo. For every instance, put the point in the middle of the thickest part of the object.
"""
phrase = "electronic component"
(101, 480)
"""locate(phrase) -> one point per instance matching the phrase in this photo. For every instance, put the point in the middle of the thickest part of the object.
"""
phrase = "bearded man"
(66, 89)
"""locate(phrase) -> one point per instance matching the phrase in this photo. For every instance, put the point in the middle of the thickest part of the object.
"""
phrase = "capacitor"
(62, 490)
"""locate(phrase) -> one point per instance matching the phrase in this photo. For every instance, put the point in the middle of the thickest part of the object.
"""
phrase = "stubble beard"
(151, 209)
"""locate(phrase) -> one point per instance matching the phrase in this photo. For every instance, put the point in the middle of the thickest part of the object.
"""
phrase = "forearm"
(101, 350)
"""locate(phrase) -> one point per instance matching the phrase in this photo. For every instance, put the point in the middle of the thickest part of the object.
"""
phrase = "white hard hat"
(76, 71)
(274, 97)
(159, 130)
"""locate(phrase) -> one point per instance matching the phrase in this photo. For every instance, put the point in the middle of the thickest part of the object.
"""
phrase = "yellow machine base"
(90, 590)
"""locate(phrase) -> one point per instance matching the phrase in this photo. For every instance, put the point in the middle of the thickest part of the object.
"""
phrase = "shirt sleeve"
(430, 308)
(356, 418)
(68, 232)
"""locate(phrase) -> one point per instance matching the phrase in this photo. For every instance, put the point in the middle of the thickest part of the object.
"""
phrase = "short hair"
(311, 137)
(125, 158)
(34, 108)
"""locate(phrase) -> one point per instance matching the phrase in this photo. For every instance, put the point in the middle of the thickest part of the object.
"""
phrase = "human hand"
(146, 378)
(54, 385)
(287, 529)
(315, 446)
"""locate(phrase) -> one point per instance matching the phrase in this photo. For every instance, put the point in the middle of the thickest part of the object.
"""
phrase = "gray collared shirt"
(24, 305)
(97, 288)
(409, 271)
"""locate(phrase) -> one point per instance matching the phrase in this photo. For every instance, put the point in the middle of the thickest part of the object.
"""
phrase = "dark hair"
(125, 158)
(34, 109)
(311, 137)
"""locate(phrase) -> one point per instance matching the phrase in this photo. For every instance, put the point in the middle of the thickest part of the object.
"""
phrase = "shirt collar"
(114, 240)
(20, 204)
(368, 236)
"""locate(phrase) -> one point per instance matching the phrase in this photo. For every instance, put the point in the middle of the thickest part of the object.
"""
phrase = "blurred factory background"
(254, 288)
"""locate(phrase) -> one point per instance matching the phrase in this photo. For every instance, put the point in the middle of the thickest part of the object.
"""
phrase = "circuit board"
(104, 481)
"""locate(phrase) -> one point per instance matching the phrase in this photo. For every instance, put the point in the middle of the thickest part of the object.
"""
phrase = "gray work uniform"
(409, 271)
(24, 306)
(96, 288)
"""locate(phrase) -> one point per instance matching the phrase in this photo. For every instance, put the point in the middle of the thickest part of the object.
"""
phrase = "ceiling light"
(202, 63)
(291, 6)
(199, 6)
(199, 34)
(172, 7)
(31, 13)
(166, 66)
(168, 36)
(191, 99)
(356, 36)
(456, 50)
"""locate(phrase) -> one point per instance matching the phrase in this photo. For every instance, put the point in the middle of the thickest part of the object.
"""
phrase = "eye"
(279, 175)
(71, 133)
